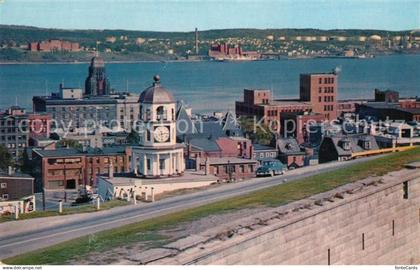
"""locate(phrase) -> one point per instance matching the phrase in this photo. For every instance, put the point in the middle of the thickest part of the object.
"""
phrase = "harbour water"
(212, 86)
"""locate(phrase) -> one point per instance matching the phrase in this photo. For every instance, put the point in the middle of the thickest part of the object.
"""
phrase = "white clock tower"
(158, 154)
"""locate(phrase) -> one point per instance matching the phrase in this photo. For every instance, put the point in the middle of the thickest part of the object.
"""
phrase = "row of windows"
(328, 108)
(326, 99)
(326, 80)
(78, 109)
(328, 89)
(13, 146)
(232, 169)
(12, 138)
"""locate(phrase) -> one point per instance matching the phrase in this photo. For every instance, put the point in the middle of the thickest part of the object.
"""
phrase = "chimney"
(111, 170)
(10, 170)
(196, 41)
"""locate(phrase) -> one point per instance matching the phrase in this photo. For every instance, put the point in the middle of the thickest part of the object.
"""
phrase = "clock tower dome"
(158, 154)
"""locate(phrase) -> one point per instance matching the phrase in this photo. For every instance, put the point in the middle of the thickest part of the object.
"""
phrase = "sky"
(185, 15)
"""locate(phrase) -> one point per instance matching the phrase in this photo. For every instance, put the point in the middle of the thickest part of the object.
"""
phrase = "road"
(18, 237)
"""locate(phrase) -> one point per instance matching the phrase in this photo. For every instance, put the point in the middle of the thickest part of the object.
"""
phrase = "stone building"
(97, 83)
(158, 154)
(111, 111)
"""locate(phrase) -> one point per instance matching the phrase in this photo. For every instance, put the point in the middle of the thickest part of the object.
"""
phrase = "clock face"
(161, 134)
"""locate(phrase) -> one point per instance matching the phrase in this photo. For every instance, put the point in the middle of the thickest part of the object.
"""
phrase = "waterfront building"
(158, 154)
(14, 130)
(226, 51)
(320, 90)
(54, 45)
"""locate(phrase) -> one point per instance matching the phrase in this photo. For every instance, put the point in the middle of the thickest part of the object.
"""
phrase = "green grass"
(149, 229)
(66, 211)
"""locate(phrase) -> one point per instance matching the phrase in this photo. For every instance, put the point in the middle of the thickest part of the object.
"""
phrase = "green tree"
(133, 137)
(6, 158)
(255, 131)
(69, 143)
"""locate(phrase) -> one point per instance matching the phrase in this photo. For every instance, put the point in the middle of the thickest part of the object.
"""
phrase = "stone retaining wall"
(366, 222)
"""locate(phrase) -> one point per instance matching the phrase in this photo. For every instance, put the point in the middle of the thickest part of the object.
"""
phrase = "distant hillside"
(126, 45)
(27, 33)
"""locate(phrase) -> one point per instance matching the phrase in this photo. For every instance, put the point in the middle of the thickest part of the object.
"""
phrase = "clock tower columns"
(158, 154)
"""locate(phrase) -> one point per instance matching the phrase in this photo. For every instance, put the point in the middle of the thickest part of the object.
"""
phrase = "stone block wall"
(373, 221)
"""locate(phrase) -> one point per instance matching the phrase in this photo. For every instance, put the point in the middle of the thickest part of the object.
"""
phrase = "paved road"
(18, 237)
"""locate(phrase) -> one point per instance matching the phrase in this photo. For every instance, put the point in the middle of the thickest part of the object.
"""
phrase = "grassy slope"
(67, 211)
(274, 196)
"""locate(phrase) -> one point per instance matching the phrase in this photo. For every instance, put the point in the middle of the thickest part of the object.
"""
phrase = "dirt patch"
(121, 255)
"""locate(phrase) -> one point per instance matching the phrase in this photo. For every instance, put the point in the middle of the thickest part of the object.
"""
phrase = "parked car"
(270, 167)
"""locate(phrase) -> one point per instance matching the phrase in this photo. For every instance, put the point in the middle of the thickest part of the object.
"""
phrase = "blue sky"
(183, 15)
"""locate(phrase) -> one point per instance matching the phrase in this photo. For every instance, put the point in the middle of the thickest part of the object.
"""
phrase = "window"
(148, 163)
(147, 135)
(329, 257)
(3, 185)
(393, 227)
(5, 196)
(405, 190)
(363, 241)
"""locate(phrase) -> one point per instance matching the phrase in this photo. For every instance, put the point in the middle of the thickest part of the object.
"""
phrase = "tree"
(6, 158)
(255, 131)
(133, 137)
(69, 143)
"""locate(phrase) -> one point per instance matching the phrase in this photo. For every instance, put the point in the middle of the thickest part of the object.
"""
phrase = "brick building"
(386, 96)
(391, 111)
(67, 168)
(320, 90)
(39, 124)
(295, 124)
(229, 168)
(290, 153)
(260, 103)
(14, 186)
(54, 45)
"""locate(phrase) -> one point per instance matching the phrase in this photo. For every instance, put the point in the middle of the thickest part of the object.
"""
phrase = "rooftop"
(71, 152)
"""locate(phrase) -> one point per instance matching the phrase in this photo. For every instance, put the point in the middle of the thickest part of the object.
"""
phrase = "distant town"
(30, 44)
(95, 143)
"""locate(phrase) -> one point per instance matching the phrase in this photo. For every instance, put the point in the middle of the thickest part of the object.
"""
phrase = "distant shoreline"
(192, 61)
